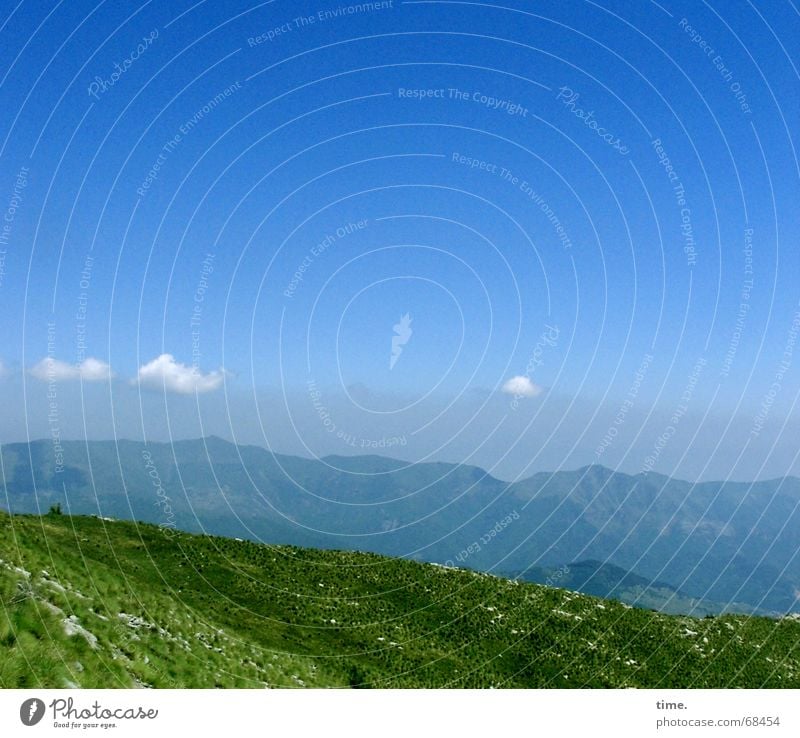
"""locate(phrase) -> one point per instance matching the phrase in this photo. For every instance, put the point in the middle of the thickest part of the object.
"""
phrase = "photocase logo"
(402, 334)
(32, 711)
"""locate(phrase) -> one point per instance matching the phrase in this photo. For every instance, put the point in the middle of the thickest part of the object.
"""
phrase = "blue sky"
(522, 190)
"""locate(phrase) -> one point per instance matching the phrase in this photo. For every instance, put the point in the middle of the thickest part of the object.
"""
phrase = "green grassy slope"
(94, 603)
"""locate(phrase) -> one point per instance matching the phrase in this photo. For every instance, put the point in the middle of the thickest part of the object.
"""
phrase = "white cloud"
(4, 370)
(89, 370)
(167, 374)
(521, 387)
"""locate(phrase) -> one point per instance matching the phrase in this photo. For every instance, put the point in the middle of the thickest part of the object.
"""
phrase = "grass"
(93, 603)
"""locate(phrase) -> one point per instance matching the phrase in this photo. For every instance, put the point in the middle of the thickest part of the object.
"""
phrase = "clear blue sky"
(238, 131)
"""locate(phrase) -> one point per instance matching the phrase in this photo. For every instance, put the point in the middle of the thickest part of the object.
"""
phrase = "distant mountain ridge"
(719, 542)
(601, 579)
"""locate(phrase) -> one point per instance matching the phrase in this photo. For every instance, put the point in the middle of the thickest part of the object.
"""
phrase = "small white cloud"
(165, 373)
(4, 370)
(89, 370)
(521, 387)
(94, 370)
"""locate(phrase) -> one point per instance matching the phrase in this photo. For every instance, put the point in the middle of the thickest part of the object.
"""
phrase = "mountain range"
(719, 545)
